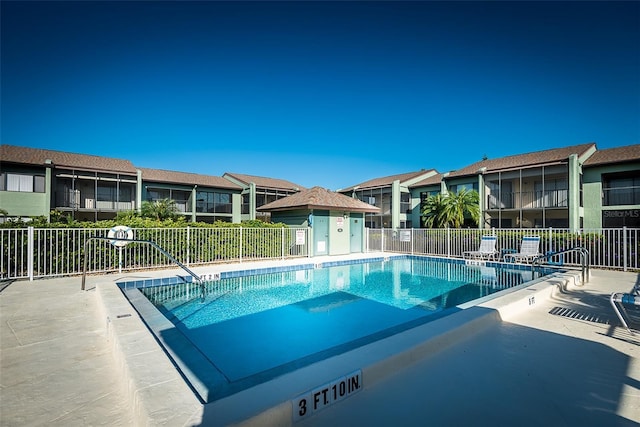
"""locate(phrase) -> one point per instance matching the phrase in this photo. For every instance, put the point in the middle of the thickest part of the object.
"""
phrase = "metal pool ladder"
(584, 260)
(196, 278)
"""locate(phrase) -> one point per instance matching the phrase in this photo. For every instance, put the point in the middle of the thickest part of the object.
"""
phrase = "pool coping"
(160, 395)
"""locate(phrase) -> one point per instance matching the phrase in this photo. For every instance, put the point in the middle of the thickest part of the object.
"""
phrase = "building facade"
(393, 197)
(34, 182)
(257, 191)
(611, 188)
(533, 190)
(200, 198)
(569, 187)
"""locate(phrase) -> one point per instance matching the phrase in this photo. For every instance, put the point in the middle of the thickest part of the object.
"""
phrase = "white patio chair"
(529, 249)
(487, 249)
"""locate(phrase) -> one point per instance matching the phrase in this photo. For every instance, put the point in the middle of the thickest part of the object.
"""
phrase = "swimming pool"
(252, 326)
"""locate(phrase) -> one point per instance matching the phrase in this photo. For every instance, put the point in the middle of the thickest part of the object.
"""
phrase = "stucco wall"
(24, 204)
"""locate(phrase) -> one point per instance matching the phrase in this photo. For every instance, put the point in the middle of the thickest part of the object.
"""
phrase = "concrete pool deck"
(550, 354)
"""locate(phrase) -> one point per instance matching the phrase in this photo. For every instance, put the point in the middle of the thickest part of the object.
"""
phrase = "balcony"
(529, 200)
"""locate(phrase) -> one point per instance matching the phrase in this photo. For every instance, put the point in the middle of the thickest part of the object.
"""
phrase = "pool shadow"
(507, 374)
(225, 358)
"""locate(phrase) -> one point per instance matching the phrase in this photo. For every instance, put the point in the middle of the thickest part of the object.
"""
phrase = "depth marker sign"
(326, 395)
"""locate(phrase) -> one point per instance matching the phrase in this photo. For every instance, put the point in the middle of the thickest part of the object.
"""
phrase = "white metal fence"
(615, 248)
(50, 252)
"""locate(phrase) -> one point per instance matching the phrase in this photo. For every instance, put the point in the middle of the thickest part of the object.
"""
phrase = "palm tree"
(464, 203)
(159, 209)
(433, 212)
(451, 209)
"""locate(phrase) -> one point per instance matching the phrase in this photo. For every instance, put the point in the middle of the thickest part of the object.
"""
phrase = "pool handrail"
(621, 298)
(149, 242)
(584, 260)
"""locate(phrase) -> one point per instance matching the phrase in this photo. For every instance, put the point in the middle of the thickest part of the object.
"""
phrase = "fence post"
(188, 245)
(240, 245)
(382, 240)
(550, 243)
(624, 247)
(412, 237)
(282, 240)
(448, 242)
(30, 246)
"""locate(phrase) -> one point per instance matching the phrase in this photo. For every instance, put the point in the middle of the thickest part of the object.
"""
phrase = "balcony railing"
(621, 196)
(114, 206)
(75, 199)
(529, 200)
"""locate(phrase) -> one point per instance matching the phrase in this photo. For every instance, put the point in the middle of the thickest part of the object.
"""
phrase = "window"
(265, 195)
(555, 194)
(469, 187)
(500, 195)
(158, 194)
(106, 192)
(405, 203)
(222, 202)
(38, 184)
(213, 202)
(245, 204)
(23, 183)
(126, 193)
(621, 189)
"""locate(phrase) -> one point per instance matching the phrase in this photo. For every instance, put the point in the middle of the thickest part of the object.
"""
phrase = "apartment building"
(572, 187)
(200, 198)
(532, 190)
(89, 188)
(392, 195)
(611, 188)
(257, 191)
(568, 187)
(34, 181)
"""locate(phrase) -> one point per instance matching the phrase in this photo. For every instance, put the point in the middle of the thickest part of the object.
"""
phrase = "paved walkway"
(562, 363)
(56, 367)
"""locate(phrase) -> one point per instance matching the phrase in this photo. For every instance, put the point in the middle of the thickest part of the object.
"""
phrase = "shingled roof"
(159, 175)
(264, 182)
(387, 180)
(629, 153)
(432, 180)
(318, 198)
(519, 161)
(38, 156)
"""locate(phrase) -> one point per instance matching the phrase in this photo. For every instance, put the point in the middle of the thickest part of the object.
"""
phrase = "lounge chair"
(487, 249)
(528, 250)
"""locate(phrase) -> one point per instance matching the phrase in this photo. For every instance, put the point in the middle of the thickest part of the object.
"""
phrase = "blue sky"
(319, 93)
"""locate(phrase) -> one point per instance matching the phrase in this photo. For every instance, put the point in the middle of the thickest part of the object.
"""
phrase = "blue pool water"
(251, 328)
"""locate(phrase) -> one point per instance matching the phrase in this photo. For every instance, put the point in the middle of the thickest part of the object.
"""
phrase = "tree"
(159, 209)
(433, 212)
(461, 205)
(450, 210)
